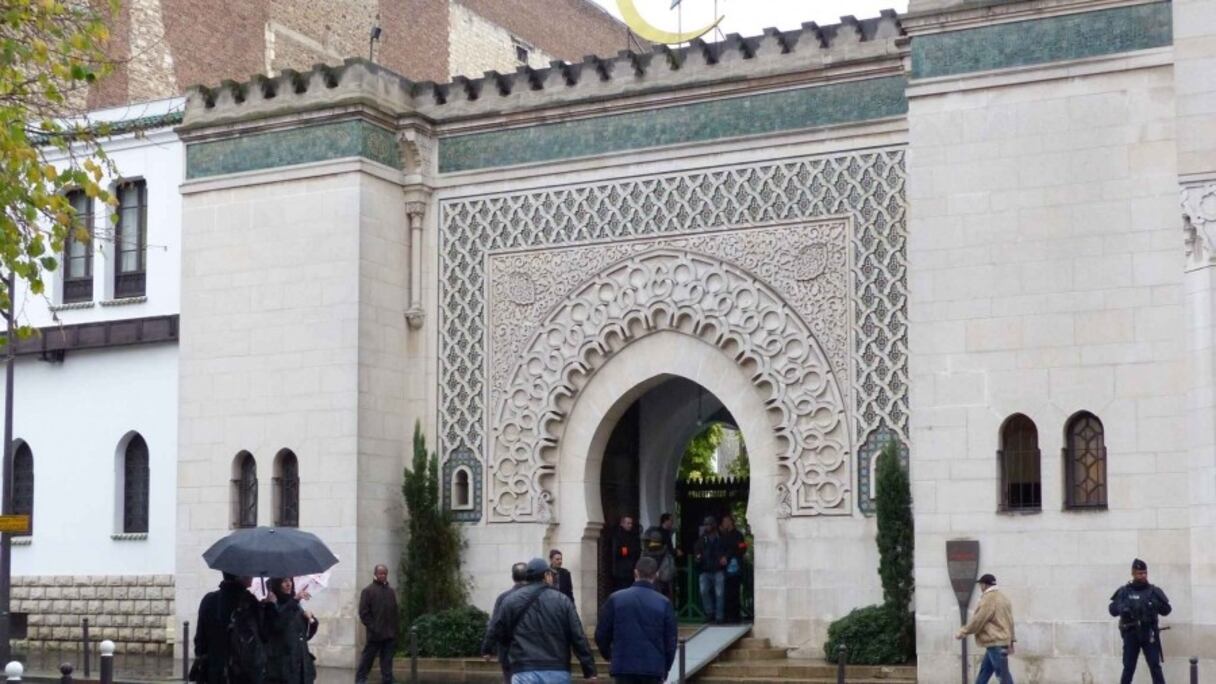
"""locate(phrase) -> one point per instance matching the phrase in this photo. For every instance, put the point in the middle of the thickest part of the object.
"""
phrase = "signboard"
(963, 564)
(15, 524)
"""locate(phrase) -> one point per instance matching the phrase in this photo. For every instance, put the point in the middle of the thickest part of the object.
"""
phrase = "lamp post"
(6, 503)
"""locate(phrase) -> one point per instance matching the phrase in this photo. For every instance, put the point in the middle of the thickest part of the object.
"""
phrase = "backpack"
(246, 651)
(667, 569)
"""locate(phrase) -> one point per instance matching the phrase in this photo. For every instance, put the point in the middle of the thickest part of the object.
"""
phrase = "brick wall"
(133, 611)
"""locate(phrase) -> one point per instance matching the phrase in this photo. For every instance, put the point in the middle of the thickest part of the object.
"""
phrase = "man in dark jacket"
(215, 611)
(562, 581)
(638, 624)
(626, 549)
(735, 546)
(1137, 605)
(519, 577)
(711, 561)
(538, 627)
(378, 613)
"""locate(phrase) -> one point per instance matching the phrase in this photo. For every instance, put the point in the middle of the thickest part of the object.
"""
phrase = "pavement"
(43, 666)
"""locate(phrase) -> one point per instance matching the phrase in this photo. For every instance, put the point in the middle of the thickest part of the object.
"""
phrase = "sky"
(751, 17)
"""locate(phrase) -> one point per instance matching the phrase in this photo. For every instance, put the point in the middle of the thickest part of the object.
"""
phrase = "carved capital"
(1199, 222)
(417, 149)
(415, 317)
(415, 209)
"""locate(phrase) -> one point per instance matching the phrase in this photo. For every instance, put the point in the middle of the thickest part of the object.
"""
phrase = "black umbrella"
(270, 552)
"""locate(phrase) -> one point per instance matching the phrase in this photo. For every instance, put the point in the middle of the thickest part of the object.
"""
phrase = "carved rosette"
(698, 295)
(1199, 221)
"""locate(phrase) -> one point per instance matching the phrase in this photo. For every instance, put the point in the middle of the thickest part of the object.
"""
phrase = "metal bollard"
(186, 651)
(84, 647)
(1194, 670)
(13, 671)
(413, 655)
(107, 662)
(65, 673)
(842, 656)
(683, 660)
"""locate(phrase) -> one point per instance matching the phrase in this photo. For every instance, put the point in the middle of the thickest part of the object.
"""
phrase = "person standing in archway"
(626, 549)
(734, 544)
(711, 561)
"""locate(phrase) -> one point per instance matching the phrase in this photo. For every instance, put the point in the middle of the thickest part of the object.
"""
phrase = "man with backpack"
(655, 548)
(229, 645)
(538, 627)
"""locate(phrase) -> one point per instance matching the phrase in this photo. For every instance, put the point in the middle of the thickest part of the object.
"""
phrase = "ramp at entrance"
(704, 646)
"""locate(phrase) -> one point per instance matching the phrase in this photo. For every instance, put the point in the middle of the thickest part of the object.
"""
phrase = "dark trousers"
(631, 679)
(382, 648)
(1133, 644)
(734, 590)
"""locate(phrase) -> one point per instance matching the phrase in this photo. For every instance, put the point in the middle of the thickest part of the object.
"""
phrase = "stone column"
(415, 212)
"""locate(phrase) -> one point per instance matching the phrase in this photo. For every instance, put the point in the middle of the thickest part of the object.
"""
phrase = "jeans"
(713, 595)
(994, 664)
(1133, 643)
(383, 648)
(543, 677)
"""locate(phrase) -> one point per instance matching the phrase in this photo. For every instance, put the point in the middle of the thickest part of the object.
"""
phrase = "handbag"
(733, 567)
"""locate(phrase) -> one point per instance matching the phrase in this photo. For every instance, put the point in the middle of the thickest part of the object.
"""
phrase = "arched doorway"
(666, 454)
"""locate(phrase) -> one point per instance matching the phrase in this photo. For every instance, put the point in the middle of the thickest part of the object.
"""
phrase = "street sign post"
(963, 564)
(15, 524)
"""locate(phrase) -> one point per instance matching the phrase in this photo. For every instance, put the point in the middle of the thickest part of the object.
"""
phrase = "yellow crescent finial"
(629, 12)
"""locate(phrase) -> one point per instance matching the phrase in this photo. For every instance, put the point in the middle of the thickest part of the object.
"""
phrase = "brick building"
(167, 46)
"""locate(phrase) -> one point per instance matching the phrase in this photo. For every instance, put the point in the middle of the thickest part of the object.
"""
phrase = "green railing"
(688, 593)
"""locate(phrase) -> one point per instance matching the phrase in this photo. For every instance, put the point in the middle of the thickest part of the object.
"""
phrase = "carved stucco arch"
(665, 289)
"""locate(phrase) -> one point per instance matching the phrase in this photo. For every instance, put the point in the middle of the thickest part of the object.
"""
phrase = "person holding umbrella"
(288, 629)
(211, 643)
(252, 552)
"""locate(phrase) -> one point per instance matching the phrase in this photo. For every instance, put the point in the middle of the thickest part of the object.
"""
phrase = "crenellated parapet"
(357, 82)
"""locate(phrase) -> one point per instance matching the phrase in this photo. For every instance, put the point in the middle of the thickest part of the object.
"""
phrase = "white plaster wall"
(1045, 268)
(73, 415)
(282, 284)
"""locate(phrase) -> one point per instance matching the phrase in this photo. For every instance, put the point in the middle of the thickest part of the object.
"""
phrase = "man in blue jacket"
(638, 624)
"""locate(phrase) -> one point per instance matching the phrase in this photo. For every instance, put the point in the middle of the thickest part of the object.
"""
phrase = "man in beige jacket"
(992, 625)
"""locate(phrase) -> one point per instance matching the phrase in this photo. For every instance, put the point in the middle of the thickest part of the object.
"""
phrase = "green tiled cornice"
(737, 116)
(1040, 41)
(273, 149)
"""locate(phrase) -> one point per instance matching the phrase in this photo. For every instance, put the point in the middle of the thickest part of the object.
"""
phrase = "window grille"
(1021, 465)
(1085, 462)
(135, 487)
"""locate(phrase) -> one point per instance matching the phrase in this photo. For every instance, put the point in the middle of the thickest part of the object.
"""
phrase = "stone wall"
(477, 45)
(134, 611)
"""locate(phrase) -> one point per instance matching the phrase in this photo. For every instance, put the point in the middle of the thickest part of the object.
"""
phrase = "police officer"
(1137, 605)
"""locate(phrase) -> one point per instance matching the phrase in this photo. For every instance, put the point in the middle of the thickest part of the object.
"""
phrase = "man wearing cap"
(992, 625)
(1137, 605)
(538, 626)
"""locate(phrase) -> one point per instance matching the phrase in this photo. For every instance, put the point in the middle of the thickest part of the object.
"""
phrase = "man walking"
(561, 576)
(538, 627)
(1137, 605)
(711, 561)
(638, 624)
(519, 577)
(626, 549)
(378, 613)
(735, 546)
(992, 625)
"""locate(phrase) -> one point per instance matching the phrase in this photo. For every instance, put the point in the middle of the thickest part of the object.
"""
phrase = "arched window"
(245, 491)
(286, 489)
(462, 489)
(135, 486)
(1020, 464)
(23, 482)
(1084, 462)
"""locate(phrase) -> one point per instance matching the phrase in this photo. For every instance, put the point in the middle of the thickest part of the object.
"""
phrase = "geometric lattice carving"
(866, 186)
(700, 296)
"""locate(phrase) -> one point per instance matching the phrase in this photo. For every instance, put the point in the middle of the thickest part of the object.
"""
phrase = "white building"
(95, 406)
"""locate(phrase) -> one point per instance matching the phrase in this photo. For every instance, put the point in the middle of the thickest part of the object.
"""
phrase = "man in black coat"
(378, 613)
(1137, 605)
(519, 578)
(734, 544)
(626, 549)
(562, 581)
(539, 627)
(215, 611)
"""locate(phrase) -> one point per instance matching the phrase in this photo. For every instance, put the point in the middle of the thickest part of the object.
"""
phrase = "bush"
(871, 635)
(454, 633)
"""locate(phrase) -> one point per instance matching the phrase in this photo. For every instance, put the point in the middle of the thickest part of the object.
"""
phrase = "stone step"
(805, 669)
(752, 654)
(753, 642)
